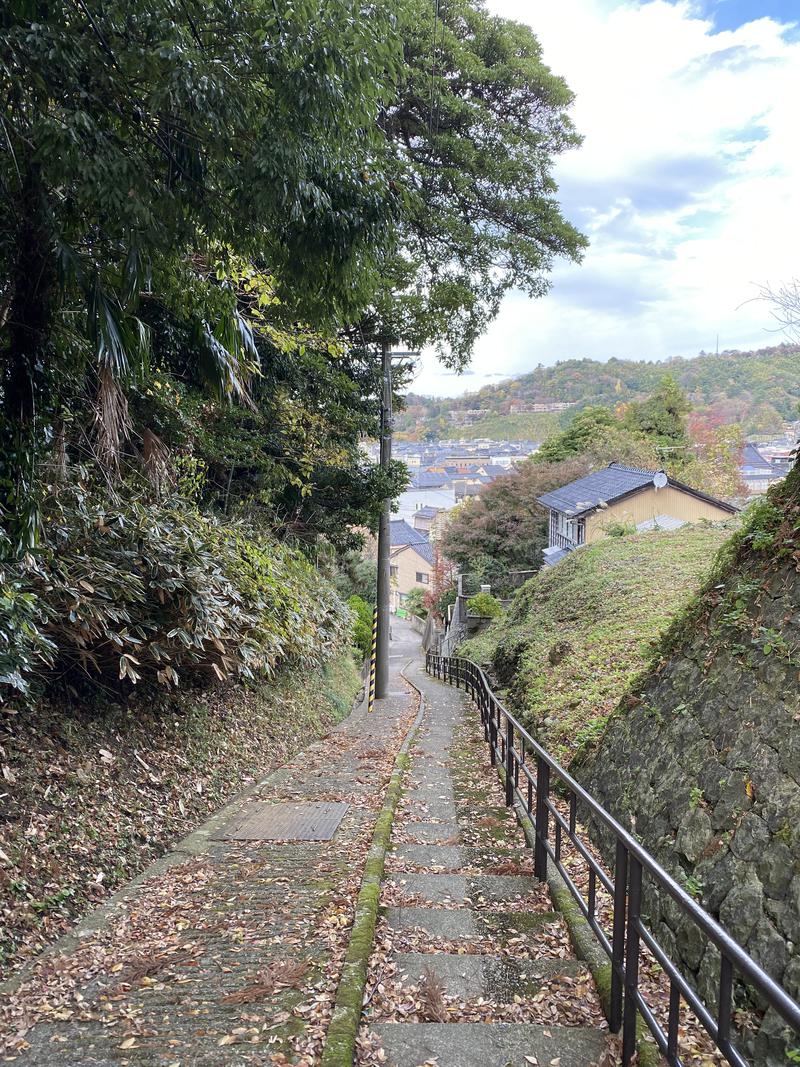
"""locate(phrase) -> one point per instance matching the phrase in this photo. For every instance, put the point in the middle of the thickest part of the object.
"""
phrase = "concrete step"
(433, 832)
(463, 889)
(431, 857)
(453, 923)
(452, 857)
(497, 978)
(489, 1044)
(436, 803)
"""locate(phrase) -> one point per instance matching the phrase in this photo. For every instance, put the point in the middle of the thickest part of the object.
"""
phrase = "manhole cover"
(290, 822)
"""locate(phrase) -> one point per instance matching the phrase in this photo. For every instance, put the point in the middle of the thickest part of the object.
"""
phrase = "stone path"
(471, 966)
(225, 952)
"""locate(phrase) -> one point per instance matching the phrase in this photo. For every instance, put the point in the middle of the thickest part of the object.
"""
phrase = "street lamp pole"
(384, 528)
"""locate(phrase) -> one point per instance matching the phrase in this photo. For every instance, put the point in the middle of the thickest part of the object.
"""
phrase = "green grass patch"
(525, 426)
(578, 634)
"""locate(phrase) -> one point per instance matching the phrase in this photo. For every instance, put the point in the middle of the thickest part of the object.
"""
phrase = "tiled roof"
(400, 533)
(551, 556)
(753, 460)
(604, 486)
(424, 549)
(612, 483)
(428, 512)
(429, 480)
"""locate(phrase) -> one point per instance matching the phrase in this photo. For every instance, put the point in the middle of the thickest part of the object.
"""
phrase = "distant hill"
(759, 389)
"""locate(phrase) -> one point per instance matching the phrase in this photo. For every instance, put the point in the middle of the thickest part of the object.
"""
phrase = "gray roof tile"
(604, 486)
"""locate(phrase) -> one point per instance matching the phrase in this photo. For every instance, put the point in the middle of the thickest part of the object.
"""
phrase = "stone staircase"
(472, 969)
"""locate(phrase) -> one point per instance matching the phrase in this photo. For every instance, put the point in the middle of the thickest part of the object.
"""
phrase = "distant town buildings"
(769, 461)
(469, 416)
(443, 473)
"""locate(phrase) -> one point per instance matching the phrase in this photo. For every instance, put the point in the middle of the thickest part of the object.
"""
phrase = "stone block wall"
(703, 765)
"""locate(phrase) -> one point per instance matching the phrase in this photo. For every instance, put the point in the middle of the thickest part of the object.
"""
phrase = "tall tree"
(474, 131)
(662, 418)
(142, 143)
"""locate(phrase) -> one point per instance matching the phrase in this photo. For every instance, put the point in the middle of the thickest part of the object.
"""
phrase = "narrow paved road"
(226, 951)
(471, 968)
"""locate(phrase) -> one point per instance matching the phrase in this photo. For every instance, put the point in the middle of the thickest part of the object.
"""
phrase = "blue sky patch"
(731, 14)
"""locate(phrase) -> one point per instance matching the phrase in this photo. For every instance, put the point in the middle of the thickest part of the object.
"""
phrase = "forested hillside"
(759, 390)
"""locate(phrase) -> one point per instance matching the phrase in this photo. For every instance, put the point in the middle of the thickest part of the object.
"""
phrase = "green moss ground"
(577, 635)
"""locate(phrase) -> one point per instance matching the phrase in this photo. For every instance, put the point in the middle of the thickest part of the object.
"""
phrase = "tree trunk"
(30, 317)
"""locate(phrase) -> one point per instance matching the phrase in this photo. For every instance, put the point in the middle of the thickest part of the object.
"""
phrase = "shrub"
(618, 528)
(131, 591)
(485, 605)
(415, 602)
(361, 634)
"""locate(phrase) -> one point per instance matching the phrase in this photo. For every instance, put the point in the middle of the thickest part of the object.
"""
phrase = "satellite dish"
(660, 479)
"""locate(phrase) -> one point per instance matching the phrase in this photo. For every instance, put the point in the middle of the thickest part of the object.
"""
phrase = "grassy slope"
(608, 604)
(533, 426)
(89, 800)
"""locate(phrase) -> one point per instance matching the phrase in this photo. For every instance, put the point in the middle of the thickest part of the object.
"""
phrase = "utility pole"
(384, 567)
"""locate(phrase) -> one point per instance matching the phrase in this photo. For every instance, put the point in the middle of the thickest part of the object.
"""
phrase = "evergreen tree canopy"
(238, 202)
(474, 130)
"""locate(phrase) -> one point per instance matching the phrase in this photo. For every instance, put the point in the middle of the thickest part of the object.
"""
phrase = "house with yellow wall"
(411, 559)
(586, 509)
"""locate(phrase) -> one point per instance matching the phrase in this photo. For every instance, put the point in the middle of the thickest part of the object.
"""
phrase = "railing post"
(632, 960)
(458, 674)
(542, 819)
(725, 1005)
(509, 763)
(492, 734)
(618, 937)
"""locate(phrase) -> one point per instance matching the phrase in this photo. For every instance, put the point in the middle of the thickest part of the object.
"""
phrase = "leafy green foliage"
(130, 592)
(662, 419)
(151, 150)
(355, 575)
(24, 648)
(474, 130)
(415, 602)
(485, 605)
(362, 624)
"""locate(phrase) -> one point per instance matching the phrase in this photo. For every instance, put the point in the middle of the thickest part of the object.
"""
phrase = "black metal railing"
(524, 760)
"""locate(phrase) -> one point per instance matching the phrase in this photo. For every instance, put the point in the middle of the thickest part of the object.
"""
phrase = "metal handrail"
(501, 729)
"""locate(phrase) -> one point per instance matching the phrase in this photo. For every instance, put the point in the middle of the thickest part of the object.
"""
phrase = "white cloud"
(686, 185)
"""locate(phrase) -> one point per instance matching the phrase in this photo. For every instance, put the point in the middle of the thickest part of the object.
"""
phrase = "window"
(393, 571)
(423, 578)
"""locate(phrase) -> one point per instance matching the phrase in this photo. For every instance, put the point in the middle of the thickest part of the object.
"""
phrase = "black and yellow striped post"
(372, 660)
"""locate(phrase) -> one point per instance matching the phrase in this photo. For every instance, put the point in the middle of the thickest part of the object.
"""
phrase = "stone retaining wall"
(704, 767)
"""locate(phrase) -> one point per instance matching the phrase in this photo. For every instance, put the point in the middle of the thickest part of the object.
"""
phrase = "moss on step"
(340, 1041)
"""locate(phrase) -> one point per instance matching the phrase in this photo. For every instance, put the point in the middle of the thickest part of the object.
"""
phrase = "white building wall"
(413, 499)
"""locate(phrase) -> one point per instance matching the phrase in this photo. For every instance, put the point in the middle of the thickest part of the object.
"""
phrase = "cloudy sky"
(687, 183)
